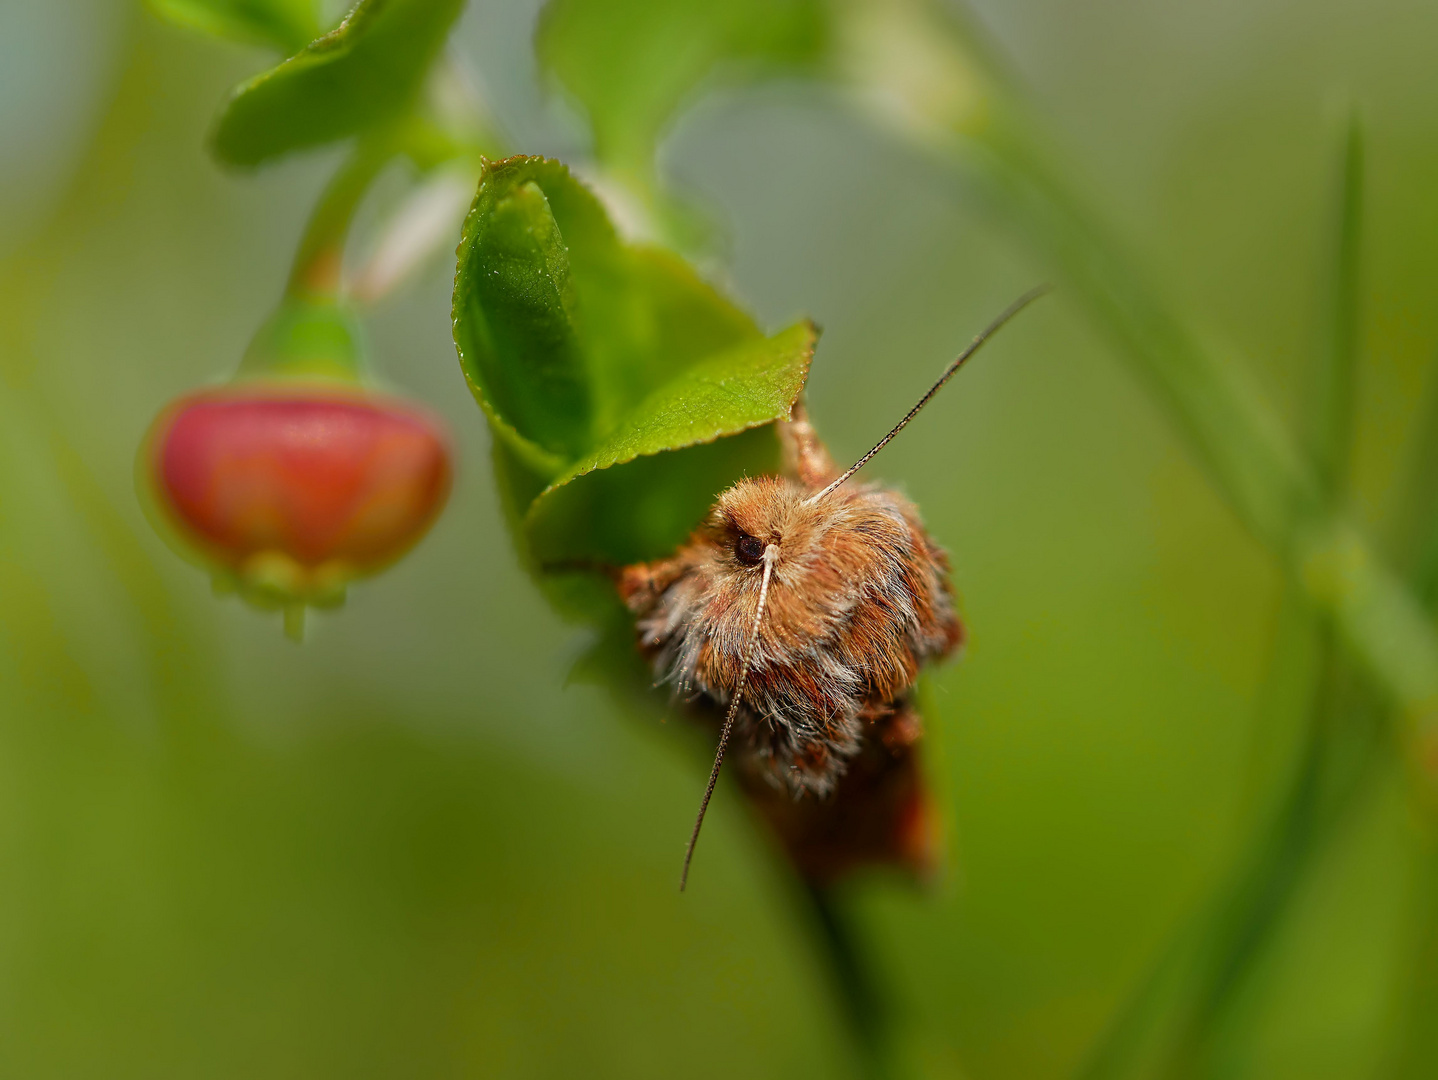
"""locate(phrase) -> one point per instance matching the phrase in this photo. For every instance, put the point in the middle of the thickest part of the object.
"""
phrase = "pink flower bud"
(288, 492)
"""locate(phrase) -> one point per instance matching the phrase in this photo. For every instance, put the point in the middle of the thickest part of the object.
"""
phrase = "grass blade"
(1328, 408)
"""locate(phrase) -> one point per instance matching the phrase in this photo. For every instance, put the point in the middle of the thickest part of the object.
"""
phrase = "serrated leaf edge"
(571, 476)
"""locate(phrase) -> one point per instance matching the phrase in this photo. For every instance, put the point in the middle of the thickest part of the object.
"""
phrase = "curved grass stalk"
(999, 155)
(1176, 1022)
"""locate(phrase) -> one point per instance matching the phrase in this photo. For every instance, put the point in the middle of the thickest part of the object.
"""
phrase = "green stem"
(317, 271)
(1176, 1022)
(979, 128)
(1415, 539)
(862, 1005)
(1219, 963)
(1343, 748)
(1417, 1048)
(319, 261)
(1414, 531)
(1238, 439)
(1328, 412)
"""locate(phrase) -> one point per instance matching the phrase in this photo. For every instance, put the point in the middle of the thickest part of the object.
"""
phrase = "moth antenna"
(771, 552)
(987, 332)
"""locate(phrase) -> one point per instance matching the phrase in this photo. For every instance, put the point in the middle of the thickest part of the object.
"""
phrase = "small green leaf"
(632, 63)
(594, 511)
(610, 373)
(363, 72)
(517, 295)
(284, 24)
(723, 394)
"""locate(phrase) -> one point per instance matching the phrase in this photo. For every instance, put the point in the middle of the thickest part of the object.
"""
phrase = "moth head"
(769, 517)
(752, 515)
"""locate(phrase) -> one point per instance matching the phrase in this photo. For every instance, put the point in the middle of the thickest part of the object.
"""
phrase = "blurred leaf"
(632, 63)
(592, 358)
(363, 72)
(288, 25)
(633, 66)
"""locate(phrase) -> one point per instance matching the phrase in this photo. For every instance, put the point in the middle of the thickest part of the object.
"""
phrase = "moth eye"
(749, 549)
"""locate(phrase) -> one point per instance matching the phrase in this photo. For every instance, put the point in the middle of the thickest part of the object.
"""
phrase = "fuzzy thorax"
(859, 600)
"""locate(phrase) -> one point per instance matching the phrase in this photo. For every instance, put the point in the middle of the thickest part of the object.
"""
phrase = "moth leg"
(897, 725)
(641, 584)
(805, 455)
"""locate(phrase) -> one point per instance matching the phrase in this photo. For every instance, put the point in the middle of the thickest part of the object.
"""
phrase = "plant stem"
(1328, 410)
(1339, 759)
(319, 260)
(1236, 436)
(1173, 1025)
(1414, 530)
(862, 1005)
(1417, 1044)
(1217, 963)
(1414, 536)
(987, 139)
(317, 271)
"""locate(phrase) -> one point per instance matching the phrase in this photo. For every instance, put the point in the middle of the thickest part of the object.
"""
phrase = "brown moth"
(807, 607)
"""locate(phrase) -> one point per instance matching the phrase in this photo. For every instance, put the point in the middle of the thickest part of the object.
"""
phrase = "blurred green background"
(407, 848)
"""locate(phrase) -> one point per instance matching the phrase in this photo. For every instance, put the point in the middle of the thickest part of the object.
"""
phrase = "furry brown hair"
(860, 599)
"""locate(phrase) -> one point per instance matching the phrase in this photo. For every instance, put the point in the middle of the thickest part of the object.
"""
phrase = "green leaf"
(611, 373)
(284, 24)
(364, 72)
(731, 391)
(595, 511)
(632, 63)
(517, 300)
